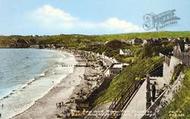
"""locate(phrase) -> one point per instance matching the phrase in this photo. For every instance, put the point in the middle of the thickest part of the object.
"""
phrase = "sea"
(26, 75)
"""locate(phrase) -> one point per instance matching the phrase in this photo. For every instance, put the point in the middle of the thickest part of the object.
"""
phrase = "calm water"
(17, 66)
(27, 74)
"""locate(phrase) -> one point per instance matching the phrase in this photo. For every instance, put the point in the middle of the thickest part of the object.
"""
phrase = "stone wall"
(168, 68)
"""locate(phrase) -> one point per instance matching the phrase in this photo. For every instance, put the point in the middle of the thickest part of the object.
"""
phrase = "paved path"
(137, 108)
(159, 82)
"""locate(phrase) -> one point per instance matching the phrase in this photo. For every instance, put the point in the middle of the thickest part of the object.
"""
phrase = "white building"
(117, 67)
(126, 52)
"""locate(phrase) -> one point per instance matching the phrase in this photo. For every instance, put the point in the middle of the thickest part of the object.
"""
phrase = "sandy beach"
(45, 108)
(61, 99)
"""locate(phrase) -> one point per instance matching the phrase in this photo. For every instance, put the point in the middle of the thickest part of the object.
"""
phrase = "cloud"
(120, 25)
(49, 16)
(53, 18)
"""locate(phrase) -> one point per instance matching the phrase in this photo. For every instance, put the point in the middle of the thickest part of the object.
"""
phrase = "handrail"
(126, 97)
(168, 89)
(125, 100)
(154, 104)
(119, 103)
(117, 97)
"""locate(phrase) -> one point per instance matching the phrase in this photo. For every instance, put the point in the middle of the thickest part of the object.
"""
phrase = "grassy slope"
(125, 78)
(5, 40)
(181, 102)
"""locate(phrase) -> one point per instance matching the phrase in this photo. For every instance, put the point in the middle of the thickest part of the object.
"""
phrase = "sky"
(48, 17)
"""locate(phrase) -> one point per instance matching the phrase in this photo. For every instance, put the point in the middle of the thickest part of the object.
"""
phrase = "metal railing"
(122, 101)
(124, 98)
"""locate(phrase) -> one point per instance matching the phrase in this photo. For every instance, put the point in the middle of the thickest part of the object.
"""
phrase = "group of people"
(155, 91)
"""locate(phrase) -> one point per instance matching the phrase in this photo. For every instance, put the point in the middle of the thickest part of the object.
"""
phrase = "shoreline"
(62, 99)
(24, 97)
(94, 77)
(55, 94)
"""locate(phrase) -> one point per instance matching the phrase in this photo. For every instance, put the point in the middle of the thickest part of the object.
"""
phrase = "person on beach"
(56, 105)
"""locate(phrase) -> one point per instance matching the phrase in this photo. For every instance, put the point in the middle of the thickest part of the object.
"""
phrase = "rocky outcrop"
(20, 43)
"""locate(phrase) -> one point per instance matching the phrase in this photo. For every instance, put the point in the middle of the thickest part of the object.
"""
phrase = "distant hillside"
(76, 40)
(146, 35)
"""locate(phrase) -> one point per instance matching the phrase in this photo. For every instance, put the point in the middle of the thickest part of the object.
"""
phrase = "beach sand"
(45, 108)
(64, 92)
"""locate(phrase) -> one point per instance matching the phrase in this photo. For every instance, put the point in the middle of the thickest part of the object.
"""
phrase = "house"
(187, 47)
(147, 41)
(178, 49)
(181, 51)
(172, 40)
(152, 41)
(186, 40)
(125, 52)
(117, 67)
(136, 41)
(107, 73)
